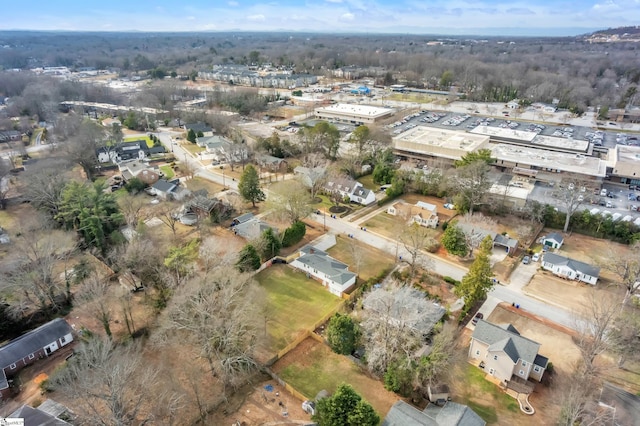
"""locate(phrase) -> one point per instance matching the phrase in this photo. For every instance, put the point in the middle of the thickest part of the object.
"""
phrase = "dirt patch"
(554, 290)
(261, 406)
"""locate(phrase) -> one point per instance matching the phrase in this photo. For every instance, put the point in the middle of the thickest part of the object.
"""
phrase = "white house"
(332, 273)
(513, 104)
(349, 188)
(424, 214)
(571, 269)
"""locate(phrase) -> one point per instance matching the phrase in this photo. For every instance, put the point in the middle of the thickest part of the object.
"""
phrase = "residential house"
(125, 151)
(164, 188)
(332, 273)
(570, 269)
(310, 175)
(506, 355)
(203, 128)
(140, 169)
(248, 226)
(10, 136)
(47, 414)
(393, 306)
(475, 234)
(30, 347)
(450, 414)
(424, 214)
(553, 240)
(513, 104)
(351, 189)
(271, 163)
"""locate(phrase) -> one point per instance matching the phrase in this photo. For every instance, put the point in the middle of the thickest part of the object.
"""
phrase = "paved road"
(510, 293)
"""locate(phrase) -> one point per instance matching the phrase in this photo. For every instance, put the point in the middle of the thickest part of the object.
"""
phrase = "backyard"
(294, 303)
(312, 367)
(145, 138)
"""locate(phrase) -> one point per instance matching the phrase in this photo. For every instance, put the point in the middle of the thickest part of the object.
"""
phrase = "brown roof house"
(506, 355)
(424, 214)
(29, 348)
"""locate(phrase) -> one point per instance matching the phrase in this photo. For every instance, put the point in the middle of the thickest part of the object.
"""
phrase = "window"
(12, 366)
(477, 352)
(31, 356)
(521, 372)
(524, 363)
(62, 340)
(536, 369)
(495, 357)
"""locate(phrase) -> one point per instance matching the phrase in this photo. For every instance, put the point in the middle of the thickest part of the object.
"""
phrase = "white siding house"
(332, 273)
(570, 269)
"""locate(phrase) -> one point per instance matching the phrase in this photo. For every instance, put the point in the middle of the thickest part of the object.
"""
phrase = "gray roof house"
(571, 269)
(29, 347)
(553, 240)
(332, 273)
(451, 414)
(350, 188)
(476, 234)
(164, 188)
(36, 417)
(503, 353)
(248, 226)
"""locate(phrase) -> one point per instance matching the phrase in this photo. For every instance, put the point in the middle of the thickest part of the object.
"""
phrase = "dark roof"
(34, 417)
(451, 414)
(30, 343)
(198, 127)
(576, 265)
(243, 218)
(555, 237)
(507, 341)
(542, 361)
(157, 149)
(163, 185)
(505, 241)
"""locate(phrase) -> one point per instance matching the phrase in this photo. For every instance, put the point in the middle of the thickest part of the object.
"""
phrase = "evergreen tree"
(345, 408)
(249, 259)
(453, 240)
(270, 244)
(249, 185)
(191, 136)
(477, 282)
(342, 334)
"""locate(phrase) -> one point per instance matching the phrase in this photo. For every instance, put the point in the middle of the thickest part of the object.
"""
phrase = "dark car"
(477, 318)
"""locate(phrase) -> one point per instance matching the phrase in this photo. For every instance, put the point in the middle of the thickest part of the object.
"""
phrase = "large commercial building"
(519, 152)
(625, 163)
(353, 114)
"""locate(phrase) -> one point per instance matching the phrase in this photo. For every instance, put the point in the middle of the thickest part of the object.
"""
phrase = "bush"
(451, 281)
(135, 185)
(294, 234)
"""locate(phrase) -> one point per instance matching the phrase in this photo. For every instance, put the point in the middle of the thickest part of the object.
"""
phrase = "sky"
(452, 17)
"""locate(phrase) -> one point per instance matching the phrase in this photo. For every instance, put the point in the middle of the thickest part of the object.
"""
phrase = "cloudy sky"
(537, 17)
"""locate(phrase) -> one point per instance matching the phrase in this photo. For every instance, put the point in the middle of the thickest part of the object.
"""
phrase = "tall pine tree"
(477, 283)
(249, 185)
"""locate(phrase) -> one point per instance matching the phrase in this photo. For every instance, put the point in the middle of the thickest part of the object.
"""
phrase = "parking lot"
(449, 120)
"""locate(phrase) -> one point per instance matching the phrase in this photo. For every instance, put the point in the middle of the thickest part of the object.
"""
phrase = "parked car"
(449, 206)
(526, 260)
(535, 257)
(477, 318)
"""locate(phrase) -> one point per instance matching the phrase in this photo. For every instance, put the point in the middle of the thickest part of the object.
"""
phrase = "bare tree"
(475, 228)
(132, 208)
(137, 263)
(415, 239)
(168, 215)
(471, 183)
(569, 194)
(221, 317)
(594, 325)
(444, 352)
(5, 182)
(625, 335)
(110, 384)
(625, 264)
(82, 145)
(95, 299)
(43, 185)
(315, 179)
(290, 199)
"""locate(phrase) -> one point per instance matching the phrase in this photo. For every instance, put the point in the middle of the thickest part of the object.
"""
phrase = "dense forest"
(577, 73)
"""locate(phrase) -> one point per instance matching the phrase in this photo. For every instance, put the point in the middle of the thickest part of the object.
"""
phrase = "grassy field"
(168, 172)
(198, 183)
(294, 303)
(477, 386)
(193, 148)
(312, 367)
(367, 182)
(368, 262)
(145, 138)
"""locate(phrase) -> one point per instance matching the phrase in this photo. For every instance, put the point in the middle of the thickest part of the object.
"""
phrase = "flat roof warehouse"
(352, 113)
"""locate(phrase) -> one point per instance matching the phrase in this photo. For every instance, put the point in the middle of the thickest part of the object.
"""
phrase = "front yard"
(362, 259)
(294, 304)
(312, 367)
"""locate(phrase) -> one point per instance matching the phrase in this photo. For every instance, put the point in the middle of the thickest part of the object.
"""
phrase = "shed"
(553, 240)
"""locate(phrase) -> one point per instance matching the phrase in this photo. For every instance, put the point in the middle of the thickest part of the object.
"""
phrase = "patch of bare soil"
(258, 406)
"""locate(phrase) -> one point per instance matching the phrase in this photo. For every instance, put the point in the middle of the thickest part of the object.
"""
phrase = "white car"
(449, 206)
(535, 257)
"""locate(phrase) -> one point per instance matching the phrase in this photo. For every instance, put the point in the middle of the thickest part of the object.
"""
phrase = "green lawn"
(192, 147)
(385, 224)
(168, 171)
(145, 138)
(294, 303)
(367, 182)
(371, 261)
(476, 384)
(312, 367)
